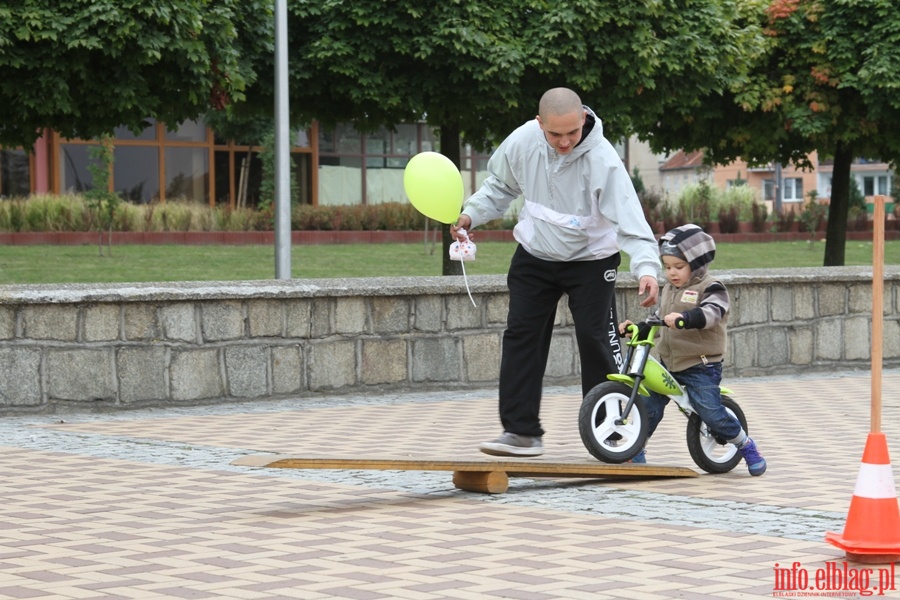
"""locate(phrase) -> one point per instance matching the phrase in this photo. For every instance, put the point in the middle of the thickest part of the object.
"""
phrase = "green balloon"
(434, 186)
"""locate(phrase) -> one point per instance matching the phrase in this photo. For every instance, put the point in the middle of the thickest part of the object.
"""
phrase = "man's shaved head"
(559, 101)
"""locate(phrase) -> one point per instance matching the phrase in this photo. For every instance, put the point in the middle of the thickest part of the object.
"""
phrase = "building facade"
(342, 166)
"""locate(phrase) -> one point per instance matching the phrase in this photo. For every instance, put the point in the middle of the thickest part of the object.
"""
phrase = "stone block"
(481, 357)
(349, 316)
(782, 304)
(435, 359)
(83, 375)
(562, 357)
(287, 369)
(20, 377)
(320, 318)
(384, 361)
(331, 365)
(222, 320)
(773, 347)
(832, 299)
(428, 314)
(751, 305)
(298, 317)
(7, 322)
(140, 322)
(860, 300)
(857, 342)
(496, 307)
(744, 349)
(265, 318)
(891, 339)
(142, 374)
(828, 340)
(179, 322)
(390, 315)
(800, 345)
(247, 370)
(50, 322)
(461, 314)
(101, 322)
(804, 302)
(195, 375)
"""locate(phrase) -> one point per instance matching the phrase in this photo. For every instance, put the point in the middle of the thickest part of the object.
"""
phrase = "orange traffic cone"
(872, 531)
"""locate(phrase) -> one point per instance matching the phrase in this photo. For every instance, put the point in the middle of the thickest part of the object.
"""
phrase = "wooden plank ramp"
(484, 476)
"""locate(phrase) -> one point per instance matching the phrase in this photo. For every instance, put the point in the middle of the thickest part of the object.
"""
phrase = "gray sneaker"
(511, 444)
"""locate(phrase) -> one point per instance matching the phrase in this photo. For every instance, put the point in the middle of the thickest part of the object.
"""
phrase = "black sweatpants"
(535, 288)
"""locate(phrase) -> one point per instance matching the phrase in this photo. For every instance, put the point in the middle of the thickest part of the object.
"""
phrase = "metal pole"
(282, 148)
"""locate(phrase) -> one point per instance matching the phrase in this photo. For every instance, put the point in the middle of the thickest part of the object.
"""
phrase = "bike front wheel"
(711, 453)
(603, 438)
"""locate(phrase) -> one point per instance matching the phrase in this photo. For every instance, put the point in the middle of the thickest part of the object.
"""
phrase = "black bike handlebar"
(679, 323)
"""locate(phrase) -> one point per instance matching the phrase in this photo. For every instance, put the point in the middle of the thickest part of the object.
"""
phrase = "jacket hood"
(696, 246)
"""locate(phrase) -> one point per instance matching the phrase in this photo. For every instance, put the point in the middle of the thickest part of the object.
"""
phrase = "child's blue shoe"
(755, 462)
(640, 458)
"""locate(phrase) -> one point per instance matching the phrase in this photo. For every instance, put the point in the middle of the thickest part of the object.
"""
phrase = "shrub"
(729, 219)
(785, 220)
(699, 204)
(759, 216)
(813, 214)
(672, 216)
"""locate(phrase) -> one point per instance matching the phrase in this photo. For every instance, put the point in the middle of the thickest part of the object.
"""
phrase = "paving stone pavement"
(146, 503)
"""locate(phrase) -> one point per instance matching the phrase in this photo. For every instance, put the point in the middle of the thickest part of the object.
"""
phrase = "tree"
(476, 69)
(84, 68)
(826, 81)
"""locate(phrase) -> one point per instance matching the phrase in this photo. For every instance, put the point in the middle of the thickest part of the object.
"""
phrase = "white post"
(282, 148)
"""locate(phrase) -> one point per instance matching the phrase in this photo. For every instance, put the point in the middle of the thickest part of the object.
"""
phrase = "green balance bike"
(613, 418)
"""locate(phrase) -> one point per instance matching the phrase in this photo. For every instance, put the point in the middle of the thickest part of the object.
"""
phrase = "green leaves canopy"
(84, 67)
(483, 65)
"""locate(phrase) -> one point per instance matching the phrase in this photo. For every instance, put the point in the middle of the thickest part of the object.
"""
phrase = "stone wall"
(196, 342)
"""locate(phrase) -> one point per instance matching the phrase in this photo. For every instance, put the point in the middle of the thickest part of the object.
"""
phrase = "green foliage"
(267, 186)
(813, 214)
(785, 220)
(857, 200)
(481, 66)
(102, 202)
(84, 68)
(825, 79)
(741, 197)
(759, 216)
(700, 204)
(637, 181)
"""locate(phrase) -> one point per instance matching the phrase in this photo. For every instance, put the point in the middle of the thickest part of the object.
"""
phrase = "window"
(769, 189)
(136, 173)
(793, 189)
(15, 173)
(876, 185)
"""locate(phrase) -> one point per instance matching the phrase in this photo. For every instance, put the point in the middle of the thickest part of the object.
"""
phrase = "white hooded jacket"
(578, 206)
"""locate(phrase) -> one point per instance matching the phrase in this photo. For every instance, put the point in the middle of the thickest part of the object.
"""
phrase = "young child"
(693, 354)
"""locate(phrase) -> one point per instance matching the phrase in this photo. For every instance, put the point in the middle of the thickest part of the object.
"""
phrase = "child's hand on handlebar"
(624, 328)
(674, 320)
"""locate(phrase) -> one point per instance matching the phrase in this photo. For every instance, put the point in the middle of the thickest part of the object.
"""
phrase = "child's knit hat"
(689, 243)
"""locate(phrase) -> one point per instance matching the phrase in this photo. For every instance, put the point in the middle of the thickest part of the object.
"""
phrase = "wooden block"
(484, 482)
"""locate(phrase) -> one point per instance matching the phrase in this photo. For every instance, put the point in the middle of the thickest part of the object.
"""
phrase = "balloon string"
(466, 279)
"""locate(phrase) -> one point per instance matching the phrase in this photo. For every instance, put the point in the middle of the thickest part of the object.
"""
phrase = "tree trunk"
(836, 230)
(450, 141)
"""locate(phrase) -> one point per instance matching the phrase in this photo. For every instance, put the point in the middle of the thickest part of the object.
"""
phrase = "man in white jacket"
(580, 209)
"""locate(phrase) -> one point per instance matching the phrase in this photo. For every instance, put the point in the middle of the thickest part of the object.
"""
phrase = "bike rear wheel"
(601, 407)
(713, 454)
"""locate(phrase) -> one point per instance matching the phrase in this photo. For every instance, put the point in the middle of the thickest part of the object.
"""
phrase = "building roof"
(682, 160)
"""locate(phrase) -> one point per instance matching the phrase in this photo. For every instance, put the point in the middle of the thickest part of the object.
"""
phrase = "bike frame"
(642, 372)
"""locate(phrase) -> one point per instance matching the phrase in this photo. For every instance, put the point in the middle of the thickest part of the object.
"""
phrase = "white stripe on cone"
(875, 481)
